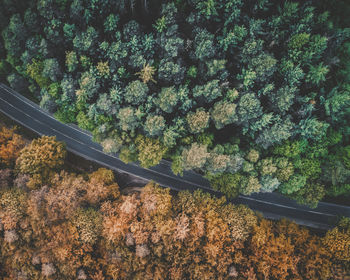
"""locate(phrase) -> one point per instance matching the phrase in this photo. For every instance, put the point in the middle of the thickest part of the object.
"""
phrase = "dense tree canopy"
(79, 226)
(188, 72)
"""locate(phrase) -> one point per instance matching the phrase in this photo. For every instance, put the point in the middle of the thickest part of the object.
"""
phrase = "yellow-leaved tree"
(41, 157)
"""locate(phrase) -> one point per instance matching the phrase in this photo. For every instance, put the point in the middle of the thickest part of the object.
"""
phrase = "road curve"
(78, 141)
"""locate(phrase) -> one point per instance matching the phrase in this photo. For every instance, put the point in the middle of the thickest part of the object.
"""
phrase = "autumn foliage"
(10, 146)
(78, 226)
(40, 158)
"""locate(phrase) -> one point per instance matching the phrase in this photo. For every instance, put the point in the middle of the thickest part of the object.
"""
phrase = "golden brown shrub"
(337, 241)
(41, 157)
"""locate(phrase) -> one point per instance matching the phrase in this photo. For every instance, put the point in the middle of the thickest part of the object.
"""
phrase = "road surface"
(78, 141)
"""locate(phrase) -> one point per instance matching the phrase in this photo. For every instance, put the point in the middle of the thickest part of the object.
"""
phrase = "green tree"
(131, 29)
(170, 137)
(294, 184)
(84, 121)
(297, 41)
(167, 99)
(291, 149)
(17, 82)
(223, 113)
(231, 37)
(264, 66)
(267, 167)
(292, 73)
(345, 152)
(312, 128)
(310, 168)
(14, 35)
(150, 151)
(105, 104)
(198, 121)
(69, 31)
(269, 184)
(217, 163)
(216, 67)
(136, 92)
(249, 107)
(253, 156)
(337, 104)
(283, 99)
(226, 183)
(71, 61)
(195, 157)
(103, 69)
(317, 74)
(128, 154)
(170, 72)
(31, 21)
(51, 69)
(192, 72)
(53, 29)
(35, 71)
(249, 185)
(85, 41)
(68, 86)
(209, 92)
(207, 8)
(111, 23)
(48, 103)
(285, 169)
(173, 46)
(281, 130)
(310, 195)
(204, 45)
(161, 24)
(89, 85)
(127, 119)
(154, 125)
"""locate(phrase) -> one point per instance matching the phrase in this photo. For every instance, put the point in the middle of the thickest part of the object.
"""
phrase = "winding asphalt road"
(272, 205)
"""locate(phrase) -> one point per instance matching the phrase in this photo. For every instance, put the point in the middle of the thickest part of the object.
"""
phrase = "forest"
(57, 224)
(254, 95)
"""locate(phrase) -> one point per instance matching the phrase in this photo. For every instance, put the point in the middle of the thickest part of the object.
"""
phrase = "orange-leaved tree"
(10, 146)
